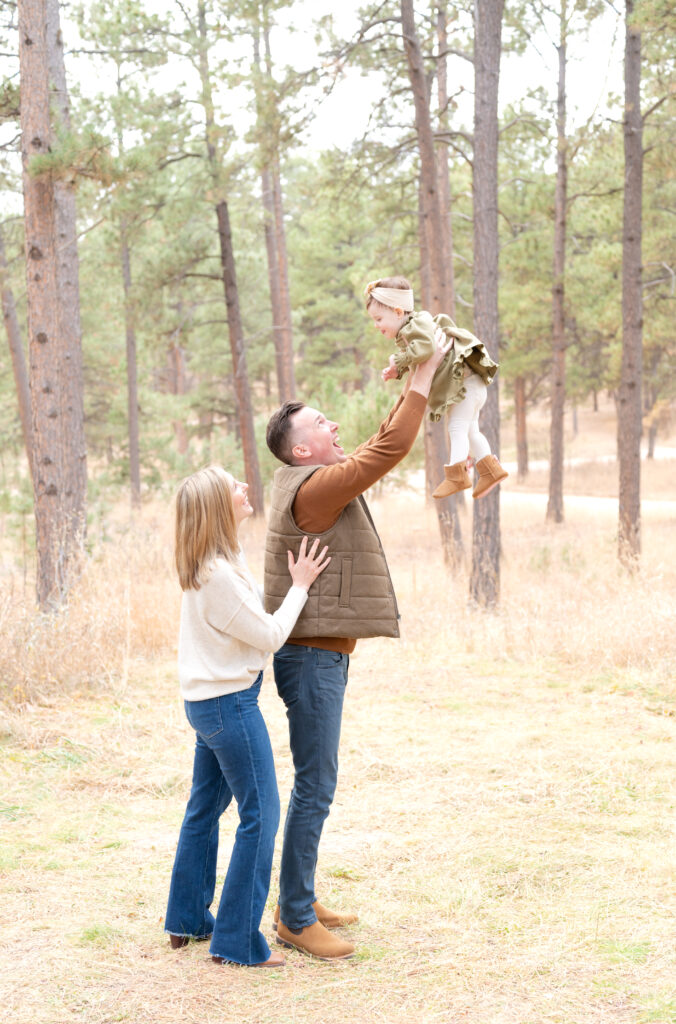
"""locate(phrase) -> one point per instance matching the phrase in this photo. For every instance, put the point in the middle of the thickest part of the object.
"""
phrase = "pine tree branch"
(592, 194)
(177, 159)
(450, 51)
(651, 110)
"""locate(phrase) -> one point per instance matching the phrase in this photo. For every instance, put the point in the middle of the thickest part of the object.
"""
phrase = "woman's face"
(240, 501)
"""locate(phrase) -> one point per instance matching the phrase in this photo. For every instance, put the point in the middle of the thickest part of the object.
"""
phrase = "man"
(319, 492)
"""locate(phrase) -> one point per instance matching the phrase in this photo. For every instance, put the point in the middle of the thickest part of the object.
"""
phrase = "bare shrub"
(124, 606)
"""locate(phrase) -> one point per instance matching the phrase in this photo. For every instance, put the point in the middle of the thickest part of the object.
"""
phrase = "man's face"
(315, 439)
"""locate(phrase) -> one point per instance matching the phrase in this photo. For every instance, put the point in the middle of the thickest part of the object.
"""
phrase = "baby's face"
(388, 321)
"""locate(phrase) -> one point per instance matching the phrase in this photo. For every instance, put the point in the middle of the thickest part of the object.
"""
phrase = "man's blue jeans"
(233, 757)
(311, 682)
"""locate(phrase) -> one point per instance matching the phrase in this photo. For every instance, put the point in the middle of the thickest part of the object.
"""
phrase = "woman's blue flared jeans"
(233, 757)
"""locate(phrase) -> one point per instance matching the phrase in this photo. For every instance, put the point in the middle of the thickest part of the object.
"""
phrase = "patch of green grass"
(9, 861)
(67, 835)
(540, 560)
(338, 872)
(659, 1009)
(99, 935)
(456, 706)
(11, 811)
(366, 953)
(67, 753)
(620, 952)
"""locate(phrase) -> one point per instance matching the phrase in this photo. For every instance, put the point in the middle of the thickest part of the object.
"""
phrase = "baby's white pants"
(463, 423)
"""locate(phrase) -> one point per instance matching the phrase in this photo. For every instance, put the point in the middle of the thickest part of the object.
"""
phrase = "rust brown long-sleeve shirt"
(324, 495)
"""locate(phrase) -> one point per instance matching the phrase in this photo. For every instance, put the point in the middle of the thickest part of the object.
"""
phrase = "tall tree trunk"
(273, 218)
(178, 385)
(558, 375)
(235, 328)
(59, 455)
(283, 276)
(273, 278)
(449, 521)
(442, 161)
(19, 368)
(521, 428)
(433, 246)
(629, 395)
(132, 376)
(431, 206)
(130, 336)
(241, 377)
(424, 249)
(485, 577)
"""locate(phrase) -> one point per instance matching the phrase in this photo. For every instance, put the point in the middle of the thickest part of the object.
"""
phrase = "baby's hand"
(390, 372)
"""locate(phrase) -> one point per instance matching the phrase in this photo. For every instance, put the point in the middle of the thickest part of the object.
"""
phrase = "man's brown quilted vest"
(354, 596)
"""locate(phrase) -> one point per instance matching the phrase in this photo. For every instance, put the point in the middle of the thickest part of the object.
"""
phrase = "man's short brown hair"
(278, 435)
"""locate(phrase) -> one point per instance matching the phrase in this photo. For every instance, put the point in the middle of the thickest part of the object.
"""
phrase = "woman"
(224, 640)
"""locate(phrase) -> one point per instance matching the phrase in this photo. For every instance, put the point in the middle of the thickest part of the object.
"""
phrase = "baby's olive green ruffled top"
(415, 343)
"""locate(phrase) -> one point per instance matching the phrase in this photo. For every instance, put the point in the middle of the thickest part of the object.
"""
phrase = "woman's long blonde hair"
(205, 525)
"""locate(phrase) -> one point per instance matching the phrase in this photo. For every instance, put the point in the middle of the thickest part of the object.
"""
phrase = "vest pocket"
(345, 583)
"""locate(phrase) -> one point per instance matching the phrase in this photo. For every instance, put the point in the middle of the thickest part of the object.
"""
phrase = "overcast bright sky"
(595, 68)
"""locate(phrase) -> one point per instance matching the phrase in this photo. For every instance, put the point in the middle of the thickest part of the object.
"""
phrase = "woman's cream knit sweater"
(225, 635)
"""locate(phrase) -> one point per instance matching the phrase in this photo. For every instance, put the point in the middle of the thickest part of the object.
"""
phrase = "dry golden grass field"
(505, 818)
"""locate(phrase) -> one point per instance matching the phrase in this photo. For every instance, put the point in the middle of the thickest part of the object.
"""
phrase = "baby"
(459, 385)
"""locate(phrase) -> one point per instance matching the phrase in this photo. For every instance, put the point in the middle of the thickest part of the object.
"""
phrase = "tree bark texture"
(521, 428)
(629, 394)
(16, 350)
(178, 385)
(235, 328)
(240, 373)
(132, 375)
(130, 334)
(485, 576)
(288, 390)
(442, 161)
(558, 375)
(273, 219)
(433, 246)
(431, 206)
(55, 350)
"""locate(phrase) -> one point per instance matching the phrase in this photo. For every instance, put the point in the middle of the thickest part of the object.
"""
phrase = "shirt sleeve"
(232, 607)
(324, 495)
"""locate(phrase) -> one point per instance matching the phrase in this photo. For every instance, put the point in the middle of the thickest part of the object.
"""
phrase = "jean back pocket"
(205, 716)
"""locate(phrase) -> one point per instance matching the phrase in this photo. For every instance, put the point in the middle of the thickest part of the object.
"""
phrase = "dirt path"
(580, 505)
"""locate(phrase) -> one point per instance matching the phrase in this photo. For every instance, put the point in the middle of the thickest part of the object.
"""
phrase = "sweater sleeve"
(324, 495)
(231, 607)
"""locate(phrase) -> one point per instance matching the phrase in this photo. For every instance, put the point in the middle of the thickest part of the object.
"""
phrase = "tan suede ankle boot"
(456, 478)
(490, 474)
(316, 940)
(329, 918)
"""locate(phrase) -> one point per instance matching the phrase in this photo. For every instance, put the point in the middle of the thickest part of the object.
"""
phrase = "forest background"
(505, 818)
(184, 115)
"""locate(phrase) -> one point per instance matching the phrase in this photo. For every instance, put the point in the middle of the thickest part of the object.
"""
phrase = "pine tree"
(59, 454)
(485, 578)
